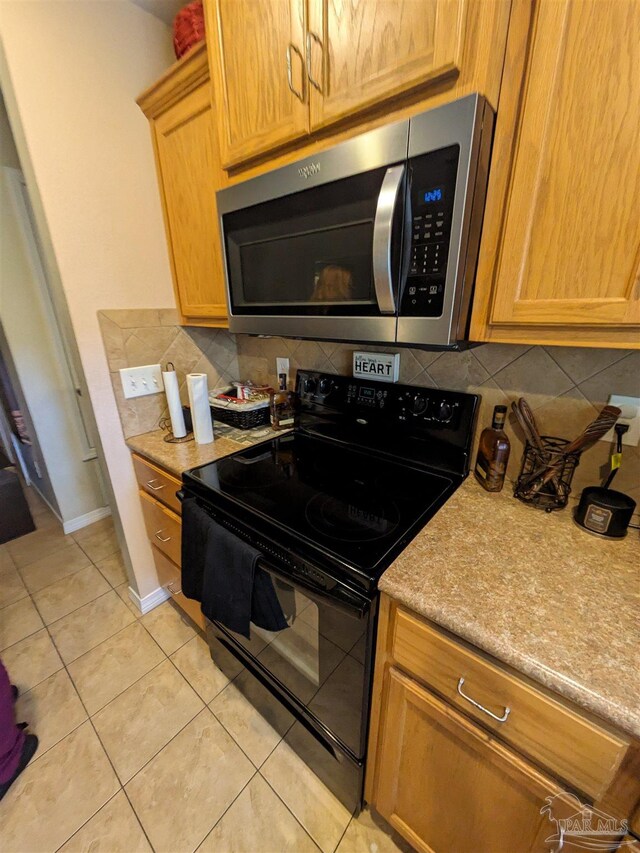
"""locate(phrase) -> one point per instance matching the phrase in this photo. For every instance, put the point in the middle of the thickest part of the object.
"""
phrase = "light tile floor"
(145, 744)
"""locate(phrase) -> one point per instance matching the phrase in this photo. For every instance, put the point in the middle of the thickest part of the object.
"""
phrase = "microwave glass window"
(332, 265)
(306, 253)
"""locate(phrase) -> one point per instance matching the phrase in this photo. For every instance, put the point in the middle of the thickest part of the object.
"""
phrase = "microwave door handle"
(382, 237)
(406, 241)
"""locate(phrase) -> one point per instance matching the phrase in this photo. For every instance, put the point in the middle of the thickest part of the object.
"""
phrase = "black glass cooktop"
(353, 506)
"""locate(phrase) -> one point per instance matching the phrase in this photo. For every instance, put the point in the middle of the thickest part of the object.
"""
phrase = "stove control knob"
(445, 411)
(419, 404)
(310, 385)
(326, 385)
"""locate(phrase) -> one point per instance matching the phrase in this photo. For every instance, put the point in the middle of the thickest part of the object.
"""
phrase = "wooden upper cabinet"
(258, 68)
(361, 52)
(187, 161)
(283, 69)
(563, 219)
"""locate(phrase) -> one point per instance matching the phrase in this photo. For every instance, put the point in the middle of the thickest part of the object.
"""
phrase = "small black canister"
(604, 512)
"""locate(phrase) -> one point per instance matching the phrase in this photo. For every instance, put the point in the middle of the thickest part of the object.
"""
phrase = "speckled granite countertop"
(177, 458)
(536, 592)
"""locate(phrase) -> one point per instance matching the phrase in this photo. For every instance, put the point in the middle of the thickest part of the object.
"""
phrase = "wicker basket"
(188, 28)
(243, 419)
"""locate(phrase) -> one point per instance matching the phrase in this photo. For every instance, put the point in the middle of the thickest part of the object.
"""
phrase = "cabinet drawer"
(561, 739)
(164, 528)
(157, 483)
(170, 578)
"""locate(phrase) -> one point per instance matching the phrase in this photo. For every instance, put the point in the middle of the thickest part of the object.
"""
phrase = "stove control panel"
(365, 395)
(323, 394)
(431, 426)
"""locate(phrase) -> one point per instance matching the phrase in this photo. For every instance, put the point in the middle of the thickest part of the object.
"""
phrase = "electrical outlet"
(630, 415)
(282, 368)
(140, 381)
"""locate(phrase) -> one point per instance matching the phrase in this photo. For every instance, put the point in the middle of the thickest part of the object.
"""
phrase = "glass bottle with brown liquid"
(493, 453)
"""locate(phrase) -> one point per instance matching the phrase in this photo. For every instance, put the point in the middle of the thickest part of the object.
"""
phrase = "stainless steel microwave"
(374, 240)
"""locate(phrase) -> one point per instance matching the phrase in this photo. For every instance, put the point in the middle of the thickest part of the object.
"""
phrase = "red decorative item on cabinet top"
(188, 28)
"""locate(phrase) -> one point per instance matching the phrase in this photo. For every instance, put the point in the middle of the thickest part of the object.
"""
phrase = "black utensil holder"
(536, 462)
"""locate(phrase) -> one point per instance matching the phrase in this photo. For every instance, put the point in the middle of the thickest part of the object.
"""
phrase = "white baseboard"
(53, 510)
(86, 519)
(148, 602)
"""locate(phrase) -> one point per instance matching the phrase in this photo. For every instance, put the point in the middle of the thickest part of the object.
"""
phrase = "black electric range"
(329, 506)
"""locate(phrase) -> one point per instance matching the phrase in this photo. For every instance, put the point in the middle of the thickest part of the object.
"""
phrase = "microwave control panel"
(432, 190)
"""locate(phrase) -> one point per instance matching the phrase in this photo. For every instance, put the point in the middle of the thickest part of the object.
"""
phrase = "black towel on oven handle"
(195, 534)
(220, 570)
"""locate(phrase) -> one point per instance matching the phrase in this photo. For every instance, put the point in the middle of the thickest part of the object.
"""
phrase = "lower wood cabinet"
(170, 578)
(565, 743)
(451, 777)
(446, 785)
(161, 511)
(164, 527)
(157, 483)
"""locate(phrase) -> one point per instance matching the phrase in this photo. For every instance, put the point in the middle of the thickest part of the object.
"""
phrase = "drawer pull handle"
(502, 719)
(160, 538)
(154, 488)
(173, 591)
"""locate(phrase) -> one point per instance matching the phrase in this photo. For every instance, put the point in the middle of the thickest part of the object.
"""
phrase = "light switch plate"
(630, 415)
(141, 381)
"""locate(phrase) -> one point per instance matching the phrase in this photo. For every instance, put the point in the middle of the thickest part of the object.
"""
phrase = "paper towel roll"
(170, 379)
(200, 410)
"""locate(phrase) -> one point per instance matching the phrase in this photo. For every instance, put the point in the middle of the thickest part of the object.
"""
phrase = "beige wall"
(70, 72)
(68, 483)
(40, 365)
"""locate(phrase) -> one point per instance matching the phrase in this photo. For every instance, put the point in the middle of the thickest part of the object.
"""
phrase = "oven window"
(306, 253)
(319, 657)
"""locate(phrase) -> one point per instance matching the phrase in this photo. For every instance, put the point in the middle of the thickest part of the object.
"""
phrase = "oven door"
(315, 249)
(319, 665)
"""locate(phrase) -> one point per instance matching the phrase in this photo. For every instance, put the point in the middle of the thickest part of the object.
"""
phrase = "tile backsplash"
(565, 386)
(137, 337)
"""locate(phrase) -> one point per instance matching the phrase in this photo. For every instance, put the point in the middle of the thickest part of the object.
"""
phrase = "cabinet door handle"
(154, 488)
(295, 91)
(480, 707)
(160, 538)
(311, 37)
(172, 590)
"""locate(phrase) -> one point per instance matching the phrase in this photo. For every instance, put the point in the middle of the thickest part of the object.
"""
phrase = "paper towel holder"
(165, 425)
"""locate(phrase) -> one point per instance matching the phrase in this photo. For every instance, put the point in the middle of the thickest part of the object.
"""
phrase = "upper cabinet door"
(187, 165)
(363, 51)
(570, 245)
(182, 121)
(258, 68)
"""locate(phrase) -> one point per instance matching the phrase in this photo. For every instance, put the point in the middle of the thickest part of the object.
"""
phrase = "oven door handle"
(341, 599)
(390, 192)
